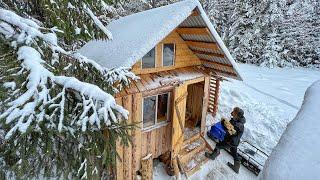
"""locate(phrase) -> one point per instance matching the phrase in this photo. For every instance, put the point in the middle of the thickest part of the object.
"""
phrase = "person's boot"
(235, 167)
(212, 155)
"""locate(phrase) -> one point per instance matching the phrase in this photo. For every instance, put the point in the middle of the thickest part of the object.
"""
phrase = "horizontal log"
(225, 72)
(196, 31)
(209, 53)
(206, 45)
(216, 63)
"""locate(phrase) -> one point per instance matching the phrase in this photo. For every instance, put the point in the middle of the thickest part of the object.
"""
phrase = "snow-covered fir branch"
(30, 107)
(54, 100)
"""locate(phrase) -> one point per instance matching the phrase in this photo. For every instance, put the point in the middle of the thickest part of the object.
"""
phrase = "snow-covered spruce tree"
(271, 33)
(299, 33)
(58, 117)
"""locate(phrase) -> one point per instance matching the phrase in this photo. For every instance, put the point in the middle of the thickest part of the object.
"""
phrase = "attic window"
(168, 52)
(155, 110)
(148, 60)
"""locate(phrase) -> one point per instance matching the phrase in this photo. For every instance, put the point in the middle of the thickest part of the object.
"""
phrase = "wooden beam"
(208, 53)
(195, 13)
(213, 46)
(196, 31)
(223, 72)
(147, 167)
(217, 63)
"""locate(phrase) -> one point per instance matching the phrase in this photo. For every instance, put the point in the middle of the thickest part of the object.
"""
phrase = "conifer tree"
(57, 114)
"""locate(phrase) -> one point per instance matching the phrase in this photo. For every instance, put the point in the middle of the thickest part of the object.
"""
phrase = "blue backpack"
(217, 132)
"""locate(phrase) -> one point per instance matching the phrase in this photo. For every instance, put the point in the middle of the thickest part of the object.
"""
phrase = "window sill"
(156, 126)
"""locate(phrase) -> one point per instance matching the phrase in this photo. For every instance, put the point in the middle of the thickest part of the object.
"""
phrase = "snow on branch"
(97, 21)
(31, 106)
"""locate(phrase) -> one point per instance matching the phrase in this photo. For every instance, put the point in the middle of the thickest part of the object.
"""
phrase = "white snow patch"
(266, 117)
(296, 156)
(98, 22)
(10, 85)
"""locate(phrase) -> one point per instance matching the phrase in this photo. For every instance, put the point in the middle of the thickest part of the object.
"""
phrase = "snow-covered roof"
(137, 34)
(296, 155)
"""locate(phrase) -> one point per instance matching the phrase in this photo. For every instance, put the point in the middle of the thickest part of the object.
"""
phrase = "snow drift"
(296, 155)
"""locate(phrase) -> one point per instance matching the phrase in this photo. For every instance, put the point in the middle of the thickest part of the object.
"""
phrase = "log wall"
(155, 141)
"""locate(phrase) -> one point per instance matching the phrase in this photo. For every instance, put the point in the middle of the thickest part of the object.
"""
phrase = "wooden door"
(178, 120)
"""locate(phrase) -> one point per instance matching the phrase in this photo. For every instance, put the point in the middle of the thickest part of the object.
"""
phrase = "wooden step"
(195, 163)
(191, 156)
(191, 149)
(190, 136)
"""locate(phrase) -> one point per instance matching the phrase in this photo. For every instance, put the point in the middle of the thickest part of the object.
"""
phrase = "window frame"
(156, 123)
(174, 54)
(155, 59)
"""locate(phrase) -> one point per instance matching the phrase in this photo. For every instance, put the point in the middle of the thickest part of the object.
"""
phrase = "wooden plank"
(149, 145)
(140, 86)
(136, 137)
(162, 140)
(196, 80)
(153, 142)
(176, 130)
(209, 53)
(224, 72)
(159, 55)
(119, 149)
(122, 93)
(132, 88)
(195, 13)
(158, 90)
(213, 46)
(127, 155)
(147, 167)
(218, 64)
(144, 144)
(205, 105)
(197, 31)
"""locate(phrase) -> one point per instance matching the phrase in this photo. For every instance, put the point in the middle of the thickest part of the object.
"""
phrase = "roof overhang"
(201, 38)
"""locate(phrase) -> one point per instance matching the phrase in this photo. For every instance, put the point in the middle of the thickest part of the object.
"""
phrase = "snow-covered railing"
(296, 155)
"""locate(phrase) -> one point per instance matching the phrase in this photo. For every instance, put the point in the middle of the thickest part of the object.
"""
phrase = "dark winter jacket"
(238, 125)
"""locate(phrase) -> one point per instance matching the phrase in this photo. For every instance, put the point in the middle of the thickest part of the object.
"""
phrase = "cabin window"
(163, 105)
(155, 110)
(148, 60)
(168, 52)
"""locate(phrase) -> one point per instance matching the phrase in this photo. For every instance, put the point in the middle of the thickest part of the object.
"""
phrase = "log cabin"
(180, 59)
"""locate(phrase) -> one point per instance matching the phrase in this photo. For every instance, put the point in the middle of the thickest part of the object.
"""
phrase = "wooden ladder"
(214, 90)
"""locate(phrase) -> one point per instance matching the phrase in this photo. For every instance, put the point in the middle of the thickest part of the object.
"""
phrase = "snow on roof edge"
(169, 28)
(179, 11)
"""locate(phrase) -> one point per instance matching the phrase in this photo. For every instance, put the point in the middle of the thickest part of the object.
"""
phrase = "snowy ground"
(270, 99)
(301, 141)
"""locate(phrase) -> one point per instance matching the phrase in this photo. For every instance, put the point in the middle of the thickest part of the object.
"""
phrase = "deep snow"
(296, 156)
(270, 99)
